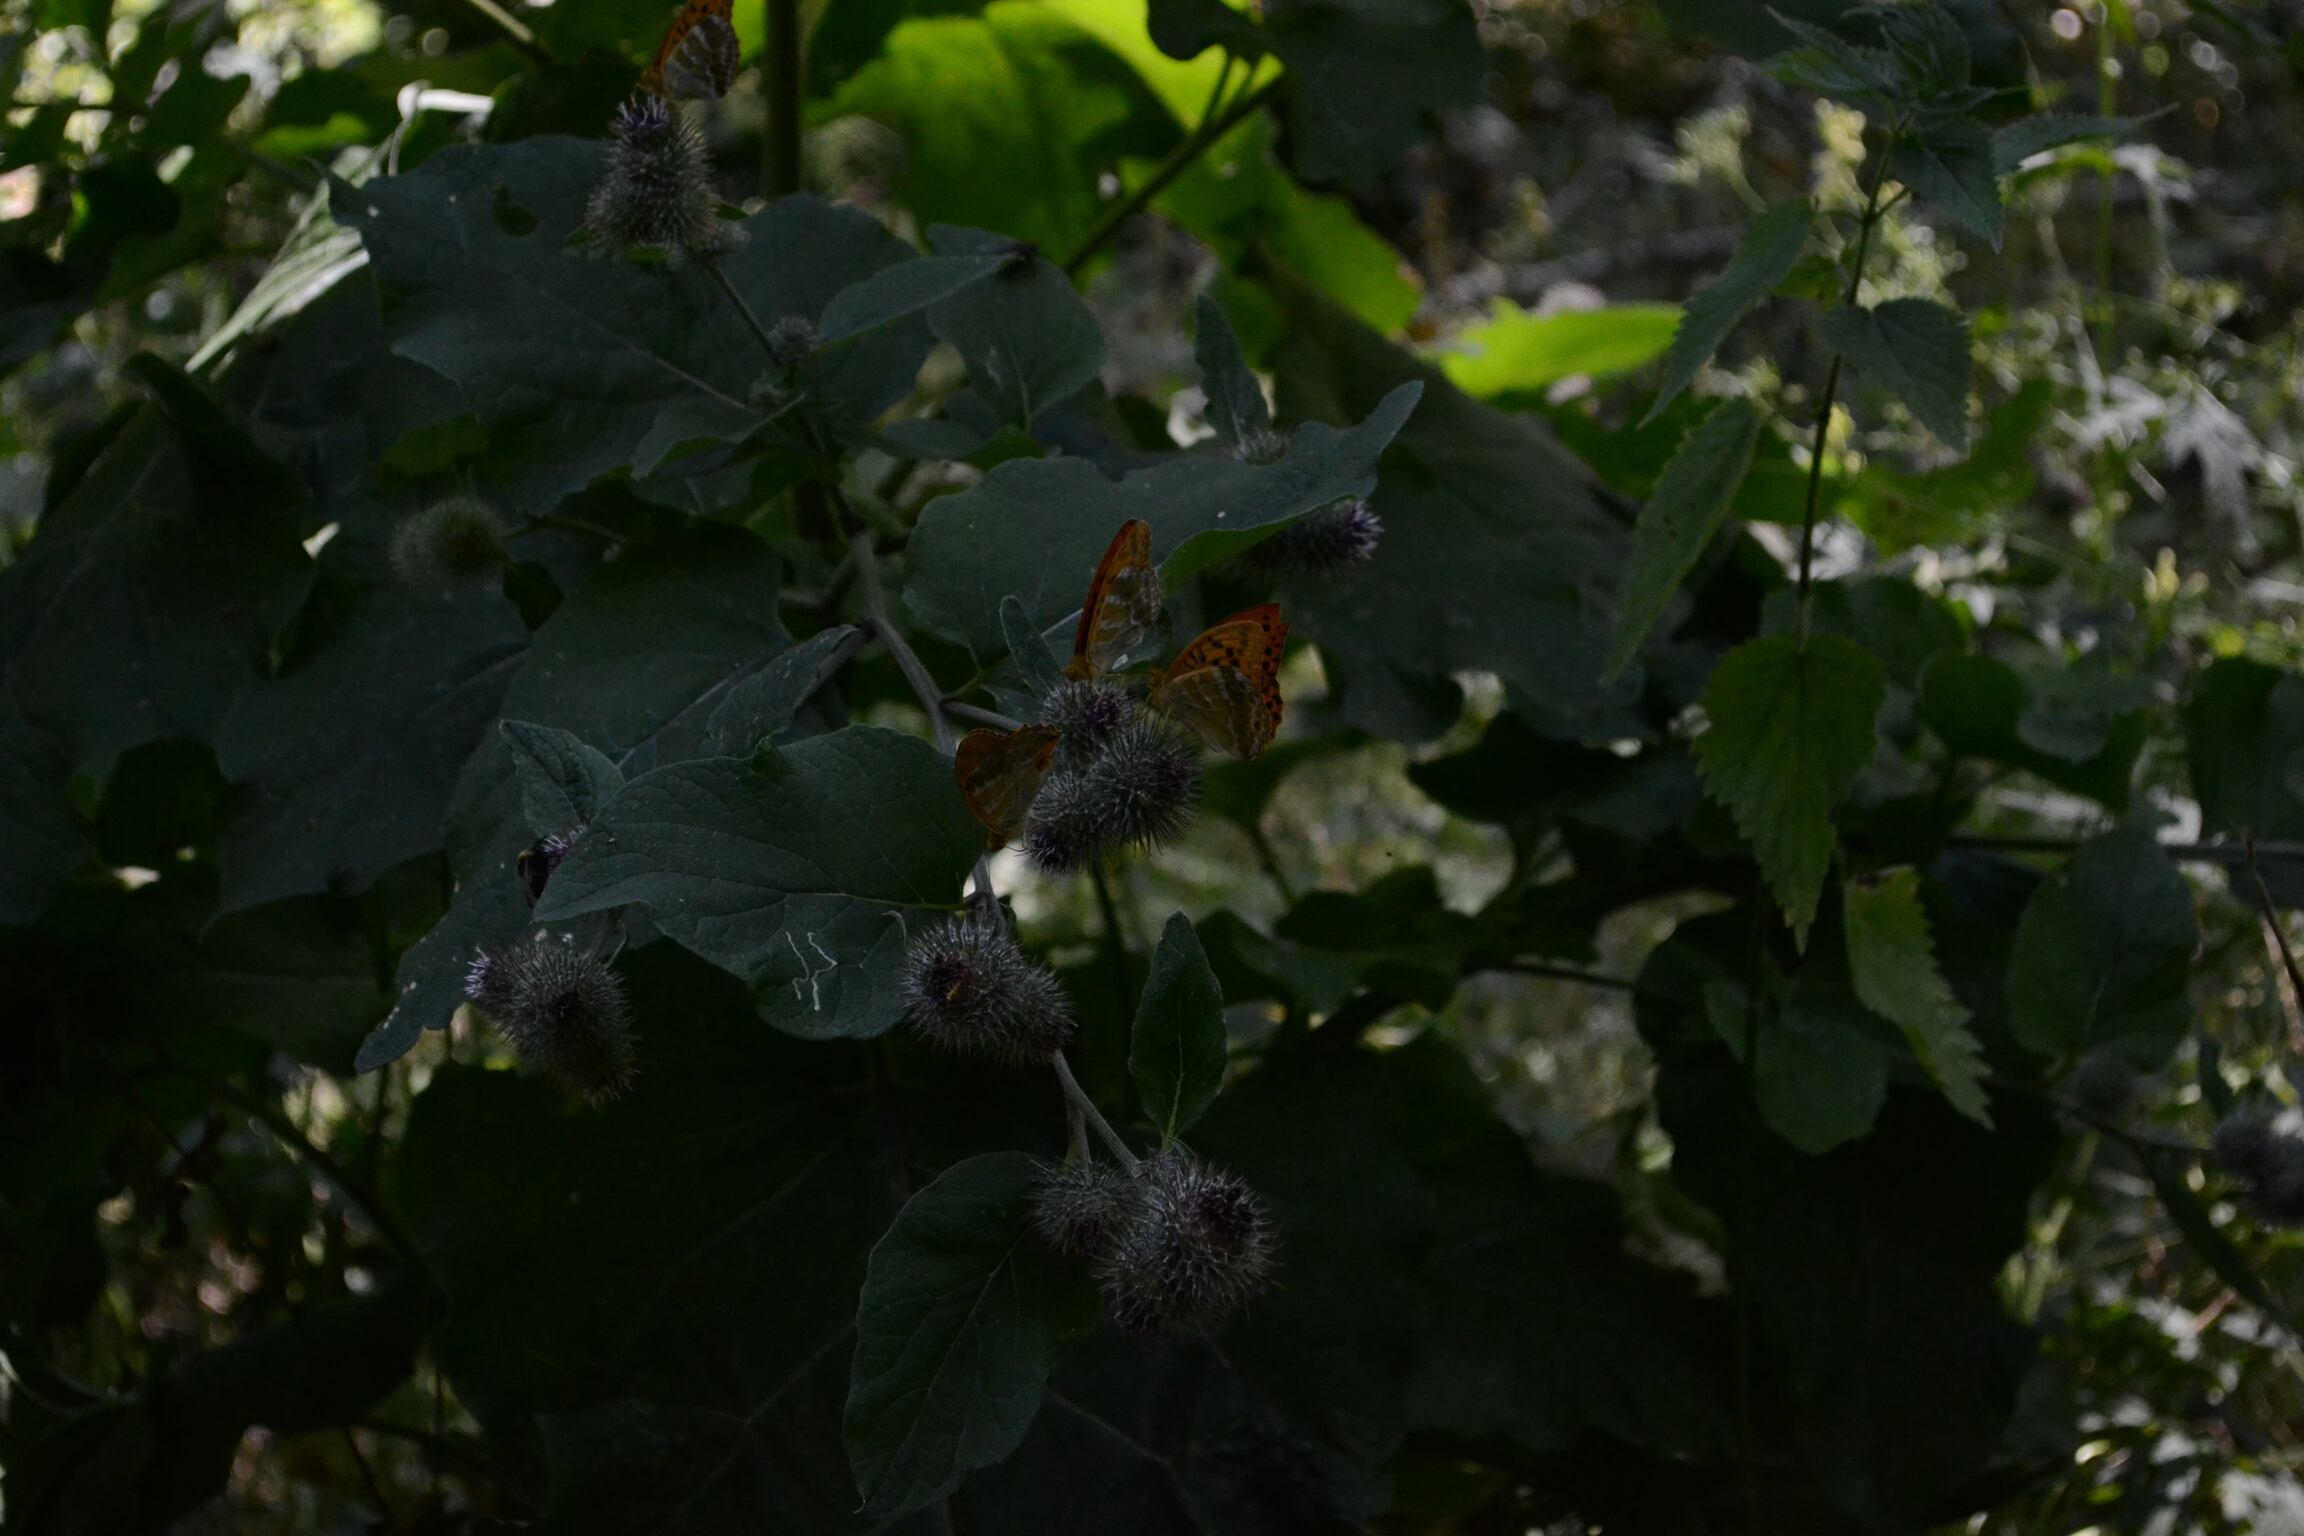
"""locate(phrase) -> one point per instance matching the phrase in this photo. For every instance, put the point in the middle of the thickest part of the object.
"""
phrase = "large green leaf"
(1027, 340)
(1236, 405)
(2103, 954)
(1892, 958)
(1514, 354)
(1818, 1081)
(1915, 349)
(2244, 731)
(1679, 518)
(791, 869)
(1772, 243)
(955, 1332)
(1979, 705)
(1176, 1050)
(46, 841)
(1363, 76)
(1035, 528)
(1791, 725)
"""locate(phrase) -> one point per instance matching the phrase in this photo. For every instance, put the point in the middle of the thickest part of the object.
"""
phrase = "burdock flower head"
(1139, 790)
(1340, 537)
(1088, 713)
(1197, 1245)
(454, 542)
(562, 1007)
(969, 987)
(656, 189)
(1082, 1208)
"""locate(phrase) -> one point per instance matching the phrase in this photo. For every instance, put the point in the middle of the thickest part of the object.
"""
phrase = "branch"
(899, 650)
(1077, 1099)
(1178, 162)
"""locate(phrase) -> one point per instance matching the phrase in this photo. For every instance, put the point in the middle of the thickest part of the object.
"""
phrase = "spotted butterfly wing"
(1000, 773)
(1225, 686)
(1123, 604)
(698, 57)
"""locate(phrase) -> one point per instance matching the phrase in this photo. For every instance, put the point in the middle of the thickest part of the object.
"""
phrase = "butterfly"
(1000, 773)
(1225, 686)
(1122, 607)
(697, 59)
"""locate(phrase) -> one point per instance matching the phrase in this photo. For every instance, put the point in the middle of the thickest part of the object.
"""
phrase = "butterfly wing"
(1225, 686)
(697, 59)
(1123, 603)
(1000, 773)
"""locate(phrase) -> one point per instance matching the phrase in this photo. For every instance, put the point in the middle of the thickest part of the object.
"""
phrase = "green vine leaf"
(1791, 726)
(1764, 257)
(1176, 1051)
(1918, 351)
(1892, 958)
(1690, 502)
(955, 1333)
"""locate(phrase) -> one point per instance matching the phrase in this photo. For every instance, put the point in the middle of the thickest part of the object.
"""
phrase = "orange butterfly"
(1225, 686)
(1000, 774)
(697, 59)
(1122, 607)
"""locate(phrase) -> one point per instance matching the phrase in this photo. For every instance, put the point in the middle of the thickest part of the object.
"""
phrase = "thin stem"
(1566, 973)
(1077, 1098)
(711, 264)
(368, 1475)
(782, 171)
(522, 36)
(1178, 162)
(992, 718)
(1115, 944)
(899, 649)
(2271, 910)
(2225, 855)
(1831, 396)
(1269, 858)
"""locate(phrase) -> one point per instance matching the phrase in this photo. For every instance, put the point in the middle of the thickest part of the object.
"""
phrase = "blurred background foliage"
(2127, 515)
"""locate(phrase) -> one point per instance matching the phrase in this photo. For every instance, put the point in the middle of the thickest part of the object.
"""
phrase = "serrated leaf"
(1951, 162)
(1236, 405)
(563, 782)
(1035, 528)
(1691, 500)
(2103, 953)
(1176, 1052)
(1791, 726)
(1892, 958)
(1771, 245)
(955, 1332)
(2020, 140)
(1930, 50)
(1027, 339)
(1915, 349)
(790, 870)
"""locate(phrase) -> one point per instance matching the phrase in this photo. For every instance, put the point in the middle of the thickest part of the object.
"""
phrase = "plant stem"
(782, 171)
(711, 264)
(1077, 1099)
(992, 718)
(899, 650)
(1831, 394)
(1178, 162)
(2271, 910)
(2225, 855)
(1115, 944)
(522, 35)
(1566, 973)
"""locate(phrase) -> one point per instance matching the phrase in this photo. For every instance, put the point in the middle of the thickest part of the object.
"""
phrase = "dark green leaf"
(1791, 726)
(1363, 75)
(45, 839)
(2020, 140)
(1176, 1052)
(563, 782)
(901, 291)
(1977, 703)
(1772, 243)
(1690, 502)
(2244, 733)
(763, 704)
(2103, 952)
(1236, 406)
(1916, 350)
(1036, 666)
(1818, 1080)
(955, 1333)
(1951, 162)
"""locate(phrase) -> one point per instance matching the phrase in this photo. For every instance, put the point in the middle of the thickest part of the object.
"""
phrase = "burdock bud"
(970, 987)
(656, 189)
(792, 341)
(1199, 1245)
(1082, 1208)
(453, 543)
(1261, 445)
(1339, 537)
(1088, 714)
(1140, 791)
(563, 1009)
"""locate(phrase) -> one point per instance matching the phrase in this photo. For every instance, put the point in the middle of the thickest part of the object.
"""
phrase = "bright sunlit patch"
(319, 541)
(135, 876)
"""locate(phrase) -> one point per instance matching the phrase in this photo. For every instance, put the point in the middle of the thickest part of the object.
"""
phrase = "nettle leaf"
(1918, 351)
(955, 1333)
(1771, 245)
(2103, 952)
(1690, 502)
(1818, 1081)
(1028, 339)
(1791, 726)
(581, 366)
(1034, 528)
(1892, 958)
(1236, 405)
(790, 869)
(1952, 162)
(563, 782)
(1176, 1052)
(2020, 140)
(640, 662)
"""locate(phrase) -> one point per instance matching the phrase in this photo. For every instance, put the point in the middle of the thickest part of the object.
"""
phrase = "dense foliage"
(1707, 948)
